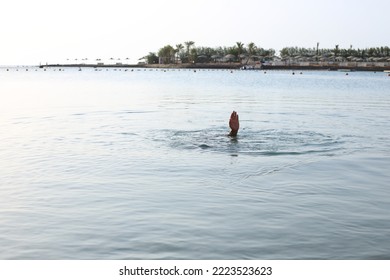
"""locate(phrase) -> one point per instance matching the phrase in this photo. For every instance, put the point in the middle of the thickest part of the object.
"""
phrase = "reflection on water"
(138, 165)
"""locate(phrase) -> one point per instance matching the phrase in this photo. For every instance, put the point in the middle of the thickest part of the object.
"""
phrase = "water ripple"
(252, 142)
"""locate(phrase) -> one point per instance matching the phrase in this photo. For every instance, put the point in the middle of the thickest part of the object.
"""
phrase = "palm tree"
(240, 48)
(188, 44)
(179, 47)
(194, 55)
(251, 51)
(336, 50)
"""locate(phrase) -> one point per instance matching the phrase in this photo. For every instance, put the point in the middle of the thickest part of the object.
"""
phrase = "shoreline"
(329, 68)
(150, 66)
(225, 66)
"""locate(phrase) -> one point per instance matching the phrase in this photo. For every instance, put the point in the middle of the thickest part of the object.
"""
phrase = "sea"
(137, 164)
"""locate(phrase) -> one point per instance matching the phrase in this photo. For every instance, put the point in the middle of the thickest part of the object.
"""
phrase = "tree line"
(189, 53)
(336, 52)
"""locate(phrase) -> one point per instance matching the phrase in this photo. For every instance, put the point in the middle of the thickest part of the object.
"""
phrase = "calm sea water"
(136, 165)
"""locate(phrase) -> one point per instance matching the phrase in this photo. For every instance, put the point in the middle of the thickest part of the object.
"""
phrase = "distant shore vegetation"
(188, 52)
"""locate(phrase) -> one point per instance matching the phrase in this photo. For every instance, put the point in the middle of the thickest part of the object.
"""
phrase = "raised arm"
(234, 124)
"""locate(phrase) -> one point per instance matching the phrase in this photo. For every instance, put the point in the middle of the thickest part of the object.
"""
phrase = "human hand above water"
(234, 124)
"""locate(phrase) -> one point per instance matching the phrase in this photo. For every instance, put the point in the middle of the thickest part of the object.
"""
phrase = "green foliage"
(188, 58)
(188, 53)
(167, 54)
(151, 58)
(240, 48)
(337, 52)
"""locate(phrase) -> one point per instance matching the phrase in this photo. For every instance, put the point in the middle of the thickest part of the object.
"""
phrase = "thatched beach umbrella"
(202, 58)
(215, 57)
(297, 58)
(229, 57)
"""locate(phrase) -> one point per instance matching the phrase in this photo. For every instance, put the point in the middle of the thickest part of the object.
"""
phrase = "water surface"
(117, 164)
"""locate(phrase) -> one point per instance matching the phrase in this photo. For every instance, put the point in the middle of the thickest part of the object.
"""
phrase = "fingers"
(234, 115)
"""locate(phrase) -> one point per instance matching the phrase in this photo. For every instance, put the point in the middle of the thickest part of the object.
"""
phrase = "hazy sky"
(40, 31)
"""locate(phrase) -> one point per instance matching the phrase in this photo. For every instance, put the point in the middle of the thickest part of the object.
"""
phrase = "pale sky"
(40, 31)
